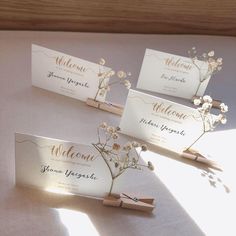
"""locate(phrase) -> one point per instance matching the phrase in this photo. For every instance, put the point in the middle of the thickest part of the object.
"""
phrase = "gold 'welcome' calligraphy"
(169, 111)
(178, 64)
(59, 151)
(68, 63)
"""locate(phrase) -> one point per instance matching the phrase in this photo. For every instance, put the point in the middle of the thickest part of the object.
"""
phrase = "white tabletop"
(191, 199)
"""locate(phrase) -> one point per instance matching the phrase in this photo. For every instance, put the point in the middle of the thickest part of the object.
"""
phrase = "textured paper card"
(64, 74)
(60, 166)
(171, 74)
(160, 122)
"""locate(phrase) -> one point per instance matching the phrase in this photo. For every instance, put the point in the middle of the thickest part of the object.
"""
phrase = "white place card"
(61, 166)
(172, 75)
(65, 74)
(160, 122)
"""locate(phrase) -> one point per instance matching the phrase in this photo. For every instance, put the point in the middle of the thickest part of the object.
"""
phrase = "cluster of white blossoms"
(112, 131)
(206, 64)
(105, 85)
(129, 145)
(121, 156)
(205, 110)
(214, 63)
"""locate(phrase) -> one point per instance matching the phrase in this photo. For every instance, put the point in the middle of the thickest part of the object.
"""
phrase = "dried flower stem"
(213, 65)
(112, 177)
(118, 159)
(104, 80)
(209, 121)
(195, 141)
(99, 88)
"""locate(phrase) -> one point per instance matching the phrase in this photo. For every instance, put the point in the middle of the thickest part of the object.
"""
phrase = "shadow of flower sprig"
(109, 78)
(209, 121)
(210, 67)
(214, 180)
(117, 157)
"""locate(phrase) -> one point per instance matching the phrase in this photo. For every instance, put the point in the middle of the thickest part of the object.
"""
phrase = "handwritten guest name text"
(162, 127)
(173, 78)
(67, 173)
(68, 80)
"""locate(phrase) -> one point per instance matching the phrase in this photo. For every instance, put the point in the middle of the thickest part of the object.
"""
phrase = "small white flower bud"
(224, 108)
(211, 54)
(103, 125)
(223, 121)
(102, 62)
(206, 106)
(197, 102)
(207, 98)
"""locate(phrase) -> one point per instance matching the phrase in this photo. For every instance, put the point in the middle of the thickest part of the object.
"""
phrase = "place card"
(65, 74)
(173, 75)
(61, 166)
(161, 122)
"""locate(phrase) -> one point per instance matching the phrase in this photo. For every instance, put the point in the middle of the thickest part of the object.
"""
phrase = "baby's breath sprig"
(209, 121)
(117, 157)
(105, 77)
(213, 64)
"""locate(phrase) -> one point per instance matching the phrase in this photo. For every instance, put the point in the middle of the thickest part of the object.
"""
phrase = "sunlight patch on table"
(77, 223)
(207, 195)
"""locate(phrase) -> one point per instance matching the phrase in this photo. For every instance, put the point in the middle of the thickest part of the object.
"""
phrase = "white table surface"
(191, 198)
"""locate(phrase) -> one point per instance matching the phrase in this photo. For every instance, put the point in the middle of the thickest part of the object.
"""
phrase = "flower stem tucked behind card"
(209, 121)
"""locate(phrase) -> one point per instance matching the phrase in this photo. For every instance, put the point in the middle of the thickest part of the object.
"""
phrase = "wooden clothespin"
(196, 156)
(215, 103)
(131, 202)
(105, 106)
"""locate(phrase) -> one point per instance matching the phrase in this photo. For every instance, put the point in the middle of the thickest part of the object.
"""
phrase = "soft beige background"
(191, 199)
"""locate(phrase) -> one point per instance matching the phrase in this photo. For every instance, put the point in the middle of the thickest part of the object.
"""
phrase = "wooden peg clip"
(215, 103)
(106, 106)
(196, 156)
(130, 202)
